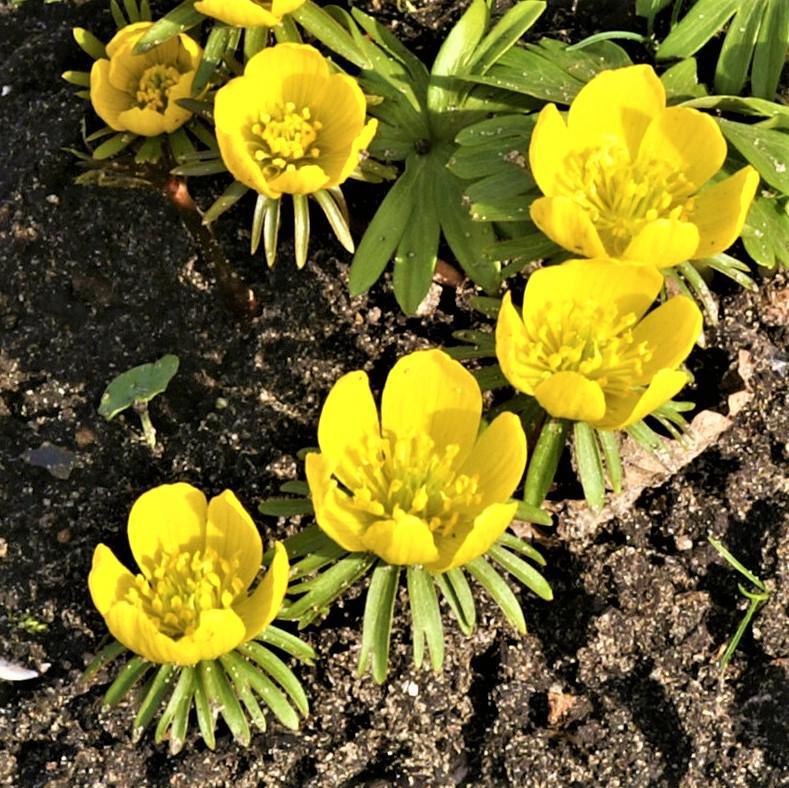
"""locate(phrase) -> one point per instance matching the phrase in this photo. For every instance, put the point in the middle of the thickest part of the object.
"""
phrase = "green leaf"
(590, 464)
(745, 572)
(288, 643)
(225, 201)
(425, 617)
(307, 541)
(744, 106)
(525, 248)
(681, 81)
(182, 17)
(221, 696)
(457, 593)
(132, 12)
(236, 668)
(729, 266)
(513, 209)
(176, 713)
(532, 514)
(697, 27)
(609, 442)
(200, 168)
(301, 228)
(507, 31)
(521, 571)
(328, 31)
(132, 672)
(490, 378)
(522, 546)
(771, 49)
(79, 78)
(650, 8)
(108, 654)
(158, 688)
(766, 149)
(279, 671)
(137, 385)
(117, 15)
(731, 70)
(507, 185)
(285, 507)
(417, 251)
(114, 145)
(295, 487)
(513, 128)
(271, 213)
(333, 206)
(206, 719)
(271, 695)
(544, 460)
(377, 624)
(766, 231)
(216, 46)
(384, 232)
(499, 591)
(89, 43)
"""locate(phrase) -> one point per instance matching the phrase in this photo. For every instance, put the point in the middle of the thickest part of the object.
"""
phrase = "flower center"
(621, 195)
(154, 86)
(582, 337)
(402, 476)
(184, 584)
(284, 139)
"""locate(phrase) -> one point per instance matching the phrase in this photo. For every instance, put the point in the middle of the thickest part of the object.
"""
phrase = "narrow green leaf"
(489, 307)
(285, 507)
(314, 562)
(386, 229)
(203, 109)
(159, 687)
(731, 70)
(744, 571)
(301, 228)
(259, 214)
(114, 145)
(743, 105)
(182, 17)
(150, 151)
(544, 461)
(181, 146)
(225, 201)
(231, 663)
(279, 671)
(307, 541)
(681, 81)
(524, 248)
(336, 217)
(495, 130)
(296, 487)
(688, 271)
(108, 654)
(145, 11)
(425, 617)
(646, 437)
(215, 48)
(206, 717)
(117, 15)
(590, 465)
(79, 78)
(771, 49)
(220, 695)
(506, 32)
(89, 43)
(132, 672)
(650, 8)
(609, 441)
(457, 593)
(499, 591)
(255, 40)
(523, 572)
(288, 643)
(512, 209)
(271, 695)
(533, 514)
(737, 637)
(415, 259)
(200, 168)
(271, 229)
(490, 378)
(377, 623)
(522, 546)
(176, 713)
(697, 27)
(730, 267)
(607, 35)
(132, 12)
(766, 232)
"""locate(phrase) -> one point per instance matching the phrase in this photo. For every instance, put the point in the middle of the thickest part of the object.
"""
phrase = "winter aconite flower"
(248, 13)
(586, 347)
(627, 177)
(419, 485)
(139, 93)
(289, 125)
(191, 600)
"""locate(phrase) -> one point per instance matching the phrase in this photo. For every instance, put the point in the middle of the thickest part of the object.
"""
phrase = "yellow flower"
(419, 486)
(191, 602)
(585, 349)
(248, 13)
(290, 126)
(138, 93)
(623, 176)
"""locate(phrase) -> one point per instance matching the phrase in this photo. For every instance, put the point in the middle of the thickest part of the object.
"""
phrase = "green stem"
(148, 429)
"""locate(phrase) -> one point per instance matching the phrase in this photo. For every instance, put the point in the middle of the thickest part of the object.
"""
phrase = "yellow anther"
(285, 136)
(154, 86)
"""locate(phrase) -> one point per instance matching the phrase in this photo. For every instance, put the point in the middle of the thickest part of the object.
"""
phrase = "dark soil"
(616, 684)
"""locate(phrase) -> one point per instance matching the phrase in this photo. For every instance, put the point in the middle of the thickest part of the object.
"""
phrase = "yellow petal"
(108, 102)
(333, 512)
(510, 342)
(569, 395)
(189, 53)
(232, 533)
(663, 243)
(218, 633)
(174, 115)
(143, 121)
(260, 608)
(550, 144)
(127, 37)
(339, 174)
(348, 427)
(236, 107)
(499, 458)
(406, 540)
(624, 411)
(720, 211)
(169, 518)
(487, 527)
(281, 7)
(109, 579)
(238, 13)
(689, 140)
(293, 65)
(131, 627)
(617, 103)
(630, 286)
(427, 392)
(306, 179)
(567, 224)
(670, 332)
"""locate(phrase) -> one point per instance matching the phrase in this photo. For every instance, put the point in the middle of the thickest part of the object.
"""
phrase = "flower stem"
(148, 429)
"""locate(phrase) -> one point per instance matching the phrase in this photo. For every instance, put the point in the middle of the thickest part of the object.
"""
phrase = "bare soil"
(616, 682)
